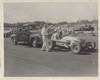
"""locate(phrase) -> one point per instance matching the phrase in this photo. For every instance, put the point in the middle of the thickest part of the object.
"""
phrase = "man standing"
(44, 33)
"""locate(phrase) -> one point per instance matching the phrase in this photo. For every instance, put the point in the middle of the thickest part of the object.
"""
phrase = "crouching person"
(44, 33)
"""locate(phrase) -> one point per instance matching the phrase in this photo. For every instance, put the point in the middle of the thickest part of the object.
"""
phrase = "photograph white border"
(38, 78)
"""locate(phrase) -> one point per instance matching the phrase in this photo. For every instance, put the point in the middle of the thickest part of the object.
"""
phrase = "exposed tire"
(75, 48)
(34, 43)
(91, 46)
(51, 44)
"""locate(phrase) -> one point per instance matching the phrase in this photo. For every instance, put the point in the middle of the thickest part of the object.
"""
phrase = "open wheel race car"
(76, 44)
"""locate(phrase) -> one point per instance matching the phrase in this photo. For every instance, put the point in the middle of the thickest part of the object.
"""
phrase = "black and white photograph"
(44, 39)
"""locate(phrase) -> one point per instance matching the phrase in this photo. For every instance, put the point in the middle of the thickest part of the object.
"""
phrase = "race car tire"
(75, 48)
(90, 45)
(51, 44)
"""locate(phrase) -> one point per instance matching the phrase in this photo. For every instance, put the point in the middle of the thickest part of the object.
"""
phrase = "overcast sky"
(49, 12)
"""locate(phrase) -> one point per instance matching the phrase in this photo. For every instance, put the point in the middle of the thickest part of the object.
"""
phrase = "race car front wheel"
(75, 48)
(90, 45)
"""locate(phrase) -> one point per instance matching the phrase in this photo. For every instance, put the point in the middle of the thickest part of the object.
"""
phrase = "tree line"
(88, 25)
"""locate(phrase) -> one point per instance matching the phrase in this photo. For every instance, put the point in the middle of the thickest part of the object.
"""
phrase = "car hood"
(7, 31)
(70, 38)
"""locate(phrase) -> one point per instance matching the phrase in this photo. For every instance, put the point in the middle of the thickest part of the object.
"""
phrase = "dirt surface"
(23, 60)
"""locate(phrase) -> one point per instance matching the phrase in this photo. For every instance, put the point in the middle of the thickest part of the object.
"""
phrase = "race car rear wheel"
(90, 45)
(75, 48)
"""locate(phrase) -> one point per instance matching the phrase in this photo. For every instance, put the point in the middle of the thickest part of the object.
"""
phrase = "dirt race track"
(22, 60)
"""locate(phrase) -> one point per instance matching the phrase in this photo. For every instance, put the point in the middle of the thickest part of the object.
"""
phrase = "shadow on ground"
(63, 49)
